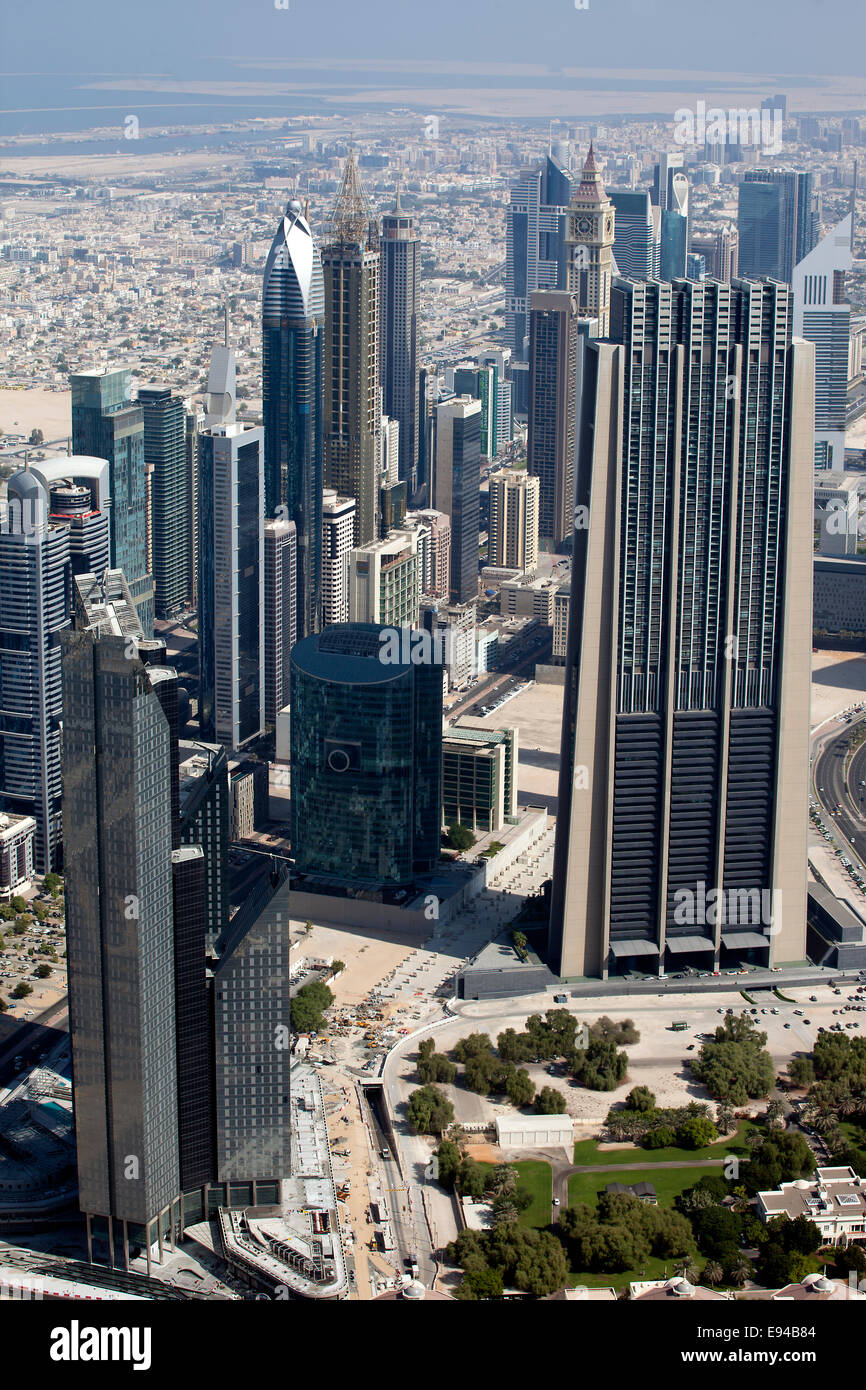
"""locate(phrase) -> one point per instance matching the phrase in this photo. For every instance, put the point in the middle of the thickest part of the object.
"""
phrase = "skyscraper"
(633, 240)
(513, 531)
(590, 236)
(553, 354)
(231, 585)
(117, 782)
(367, 737)
(80, 500)
(35, 590)
(777, 221)
(352, 415)
(165, 454)
(293, 335)
(456, 487)
(338, 529)
(107, 424)
(401, 307)
(681, 839)
(536, 255)
(822, 315)
(720, 250)
(280, 616)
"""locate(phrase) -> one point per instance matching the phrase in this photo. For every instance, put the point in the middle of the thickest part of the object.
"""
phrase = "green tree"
(713, 1272)
(696, 1132)
(19, 904)
(309, 1005)
(549, 1101)
(21, 990)
(480, 1283)
(430, 1112)
(640, 1098)
(801, 1070)
(520, 1088)
(448, 1159)
(460, 837)
(43, 971)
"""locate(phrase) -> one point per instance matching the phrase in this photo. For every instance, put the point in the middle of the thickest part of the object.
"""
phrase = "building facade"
(456, 487)
(400, 250)
(513, 531)
(684, 765)
(553, 363)
(366, 740)
(293, 335)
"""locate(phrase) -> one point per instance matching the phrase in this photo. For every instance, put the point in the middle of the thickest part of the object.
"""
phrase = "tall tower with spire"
(589, 237)
(352, 412)
(398, 358)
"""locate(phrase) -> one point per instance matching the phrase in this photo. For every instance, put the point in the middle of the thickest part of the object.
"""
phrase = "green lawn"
(536, 1177)
(588, 1152)
(668, 1183)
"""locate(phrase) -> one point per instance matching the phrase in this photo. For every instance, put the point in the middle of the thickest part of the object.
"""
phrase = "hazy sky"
(179, 36)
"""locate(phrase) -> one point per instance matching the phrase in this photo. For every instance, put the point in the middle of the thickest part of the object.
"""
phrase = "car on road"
(556, 1201)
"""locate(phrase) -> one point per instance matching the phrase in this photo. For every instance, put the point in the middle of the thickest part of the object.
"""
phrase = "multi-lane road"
(833, 789)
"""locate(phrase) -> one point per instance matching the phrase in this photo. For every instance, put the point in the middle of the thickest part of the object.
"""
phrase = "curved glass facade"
(366, 759)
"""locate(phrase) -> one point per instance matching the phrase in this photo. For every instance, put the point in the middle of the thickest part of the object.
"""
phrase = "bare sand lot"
(37, 409)
(838, 680)
(537, 713)
(367, 956)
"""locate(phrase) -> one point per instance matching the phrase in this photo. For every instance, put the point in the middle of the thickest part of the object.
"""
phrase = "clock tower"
(589, 235)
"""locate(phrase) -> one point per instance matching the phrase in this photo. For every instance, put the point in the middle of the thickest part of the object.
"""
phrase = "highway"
(831, 788)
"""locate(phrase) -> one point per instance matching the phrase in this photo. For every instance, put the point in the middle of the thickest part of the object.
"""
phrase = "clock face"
(608, 226)
(584, 225)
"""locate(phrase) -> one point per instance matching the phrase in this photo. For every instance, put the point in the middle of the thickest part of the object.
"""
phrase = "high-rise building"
(165, 455)
(456, 486)
(231, 585)
(633, 240)
(366, 737)
(252, 1013)
(338, 530)
(389, 452)
(513, 530)
(80, 500)
(400, 316)
(720, 250)
(536, 251)
(35, 592)
(203, 807)
(117, 783)
(434, 551)
(590, 236)
(479, 777)
(280, 616)
(822, 315)
(668, 169)
(352, 414)
(673, 247)
(194, 419)
(293, 336)
(107, 424)
(777, 220)
(482, 383)
(553, 358)
(384, 581)
(681, 839)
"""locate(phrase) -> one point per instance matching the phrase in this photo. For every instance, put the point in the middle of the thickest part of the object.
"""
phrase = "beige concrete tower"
(589, 236)
(513, 540)
(681, 827)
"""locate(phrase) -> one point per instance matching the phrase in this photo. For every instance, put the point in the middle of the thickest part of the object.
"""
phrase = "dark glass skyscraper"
(366, 758)
(777, 220)
(293, 312)
(231, 586)
(165, 454)
(681, 838)
(401, 301)
(553, 354)
(536, 255)
(352, 411)
(456, 489)
(35, 590)
(107, 424)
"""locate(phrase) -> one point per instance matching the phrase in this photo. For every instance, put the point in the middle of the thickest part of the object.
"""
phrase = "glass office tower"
(108, 424)
(293, 312)
(366, 759)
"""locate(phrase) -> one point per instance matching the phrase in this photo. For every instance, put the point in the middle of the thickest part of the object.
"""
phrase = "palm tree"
(687, 1269)
(713, 1272)
(740, 1271)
